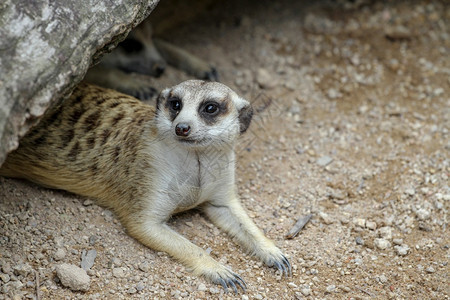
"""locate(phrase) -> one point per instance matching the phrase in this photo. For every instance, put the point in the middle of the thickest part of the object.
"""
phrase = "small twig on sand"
(298, 226)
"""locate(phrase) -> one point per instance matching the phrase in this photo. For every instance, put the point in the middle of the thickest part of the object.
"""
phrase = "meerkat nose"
(158, 70)
(182, 129)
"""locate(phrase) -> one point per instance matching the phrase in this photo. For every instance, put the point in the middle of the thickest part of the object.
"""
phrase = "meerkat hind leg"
(133, 84)
(232, 218)
(159, 236)
(185, 61)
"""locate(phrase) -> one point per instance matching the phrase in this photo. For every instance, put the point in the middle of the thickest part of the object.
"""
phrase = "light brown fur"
(111, 147)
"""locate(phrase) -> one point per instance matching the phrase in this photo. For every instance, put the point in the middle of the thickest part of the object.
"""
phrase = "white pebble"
(371, 225)
(331, 288)
(201, 287)
(325, 218)
(397, 241)
(306, 291)
(360, 222)
(423, 214)
(402, 250)
(382, 243)
(324, 161)
(385, 232)
(410, 192)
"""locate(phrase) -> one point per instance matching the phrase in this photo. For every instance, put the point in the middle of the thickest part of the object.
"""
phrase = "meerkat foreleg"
(232, 218)
(159, 236)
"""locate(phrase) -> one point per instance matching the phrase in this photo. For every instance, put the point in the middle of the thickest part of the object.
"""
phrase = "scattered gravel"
(350, 126)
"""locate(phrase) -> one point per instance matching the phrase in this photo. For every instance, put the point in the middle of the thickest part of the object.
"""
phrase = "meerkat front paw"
(219, 274)
(273, 257)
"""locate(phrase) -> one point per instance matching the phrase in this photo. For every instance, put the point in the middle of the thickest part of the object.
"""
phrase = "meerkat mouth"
(192, 141)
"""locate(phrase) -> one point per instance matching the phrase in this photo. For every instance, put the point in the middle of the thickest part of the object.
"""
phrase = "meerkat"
(130, 66)
(147, 163)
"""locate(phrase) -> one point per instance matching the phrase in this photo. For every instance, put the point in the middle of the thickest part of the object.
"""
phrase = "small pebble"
(385, 232)
(383, 278)
(331, 288)
(258, 296)
(382, 243)
(116, 262)
(359, 240)
(360, 222)
(333, 94)
(118, 272)
(423, 214)
(144, 266)
(397, 241)
(92, 240)
(306, 291)
(88, 202)
(140, 286)
(22, 269)
(324, 161)
(430, 269)
(59, 254)
(201, 287)
(402, 250)
(5, 277)
(371, 225)
(410, 192)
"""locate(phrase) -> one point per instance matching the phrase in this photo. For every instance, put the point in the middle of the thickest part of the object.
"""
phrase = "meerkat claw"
(241, 282)
(232, 283)
(288, 264)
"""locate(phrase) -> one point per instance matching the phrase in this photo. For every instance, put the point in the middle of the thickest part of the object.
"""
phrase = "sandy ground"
(352, 126)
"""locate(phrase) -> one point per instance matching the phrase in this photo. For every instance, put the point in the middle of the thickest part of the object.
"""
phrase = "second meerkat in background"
(147, 164)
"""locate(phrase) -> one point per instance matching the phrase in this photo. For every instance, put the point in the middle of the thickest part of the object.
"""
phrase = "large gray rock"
(46, 48)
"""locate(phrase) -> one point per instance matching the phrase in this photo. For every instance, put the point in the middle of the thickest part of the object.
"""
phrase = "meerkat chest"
(191, 178)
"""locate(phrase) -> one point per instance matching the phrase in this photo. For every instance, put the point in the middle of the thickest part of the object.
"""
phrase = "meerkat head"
(197, 113)
(137, 53)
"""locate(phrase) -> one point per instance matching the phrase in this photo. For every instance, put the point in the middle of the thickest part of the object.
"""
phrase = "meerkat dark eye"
(211, 108)
(130, 45)
(175, 104)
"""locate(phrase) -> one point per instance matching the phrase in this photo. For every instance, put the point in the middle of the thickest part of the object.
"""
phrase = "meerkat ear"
(164, 93)
(245, 115)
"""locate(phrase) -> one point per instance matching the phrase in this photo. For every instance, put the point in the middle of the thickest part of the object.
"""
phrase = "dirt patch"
(352, 126)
